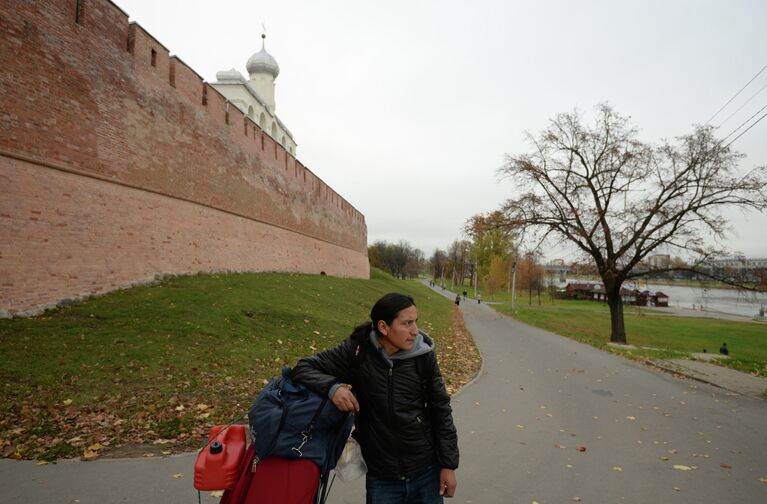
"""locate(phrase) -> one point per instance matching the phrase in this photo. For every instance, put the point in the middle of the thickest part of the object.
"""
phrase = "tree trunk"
(617, 327)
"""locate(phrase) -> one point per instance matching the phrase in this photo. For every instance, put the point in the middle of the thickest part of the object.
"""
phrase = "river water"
(721, 300)
(715, 300)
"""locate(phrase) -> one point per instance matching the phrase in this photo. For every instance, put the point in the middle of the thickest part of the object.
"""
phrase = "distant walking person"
(479, 298)
(723, 350)
(457, 299)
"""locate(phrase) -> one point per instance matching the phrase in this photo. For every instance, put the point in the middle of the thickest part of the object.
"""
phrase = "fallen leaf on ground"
(576, 499)
(631, 418)
(725, 466)
(217, 493)
(616, 468)
(581, 448)
(682, 468)
(178, 475)
(763, 480)
(66, 402)
(676, 489)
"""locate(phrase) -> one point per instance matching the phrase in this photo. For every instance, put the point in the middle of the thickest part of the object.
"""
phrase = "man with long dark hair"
(387, 373)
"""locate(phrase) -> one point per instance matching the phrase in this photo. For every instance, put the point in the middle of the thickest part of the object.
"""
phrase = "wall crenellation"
(95, 103)
(166, 63)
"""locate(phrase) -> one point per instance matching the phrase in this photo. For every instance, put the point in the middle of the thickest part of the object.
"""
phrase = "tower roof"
(263, 62)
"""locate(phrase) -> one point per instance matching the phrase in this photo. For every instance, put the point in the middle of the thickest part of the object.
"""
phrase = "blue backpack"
(290, 421)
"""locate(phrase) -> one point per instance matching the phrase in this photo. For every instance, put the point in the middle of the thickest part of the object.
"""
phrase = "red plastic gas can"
(216, 465)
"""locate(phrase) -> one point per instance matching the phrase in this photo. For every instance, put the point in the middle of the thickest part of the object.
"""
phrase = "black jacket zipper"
(393, 424)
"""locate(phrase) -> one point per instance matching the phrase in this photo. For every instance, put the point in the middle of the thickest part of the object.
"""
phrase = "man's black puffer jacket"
(405, 424)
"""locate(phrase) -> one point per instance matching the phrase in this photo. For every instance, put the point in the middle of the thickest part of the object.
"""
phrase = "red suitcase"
(275, 481)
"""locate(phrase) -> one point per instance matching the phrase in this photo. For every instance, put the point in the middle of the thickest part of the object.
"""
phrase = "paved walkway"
(538, 400)
(726, 378)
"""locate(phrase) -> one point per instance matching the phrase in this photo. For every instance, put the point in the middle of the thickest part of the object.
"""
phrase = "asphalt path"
(547, 420)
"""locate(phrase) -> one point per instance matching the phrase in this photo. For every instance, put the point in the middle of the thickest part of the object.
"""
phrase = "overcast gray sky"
(406, 108)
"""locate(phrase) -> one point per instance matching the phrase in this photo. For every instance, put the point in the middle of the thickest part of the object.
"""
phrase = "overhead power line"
(744, 104)
(736, 94)
(744, 131)
(743, 123)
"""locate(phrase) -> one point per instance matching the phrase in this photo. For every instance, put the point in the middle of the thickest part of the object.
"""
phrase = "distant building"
(659, 261)
(255, 96)
(740, 268)
(595, 291)
(740, 262)
(556, 273)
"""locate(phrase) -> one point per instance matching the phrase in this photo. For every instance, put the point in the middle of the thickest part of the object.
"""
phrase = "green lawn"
(167, 361)
(656, 336)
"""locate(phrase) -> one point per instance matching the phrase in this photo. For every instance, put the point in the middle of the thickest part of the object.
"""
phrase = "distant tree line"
(401, 260)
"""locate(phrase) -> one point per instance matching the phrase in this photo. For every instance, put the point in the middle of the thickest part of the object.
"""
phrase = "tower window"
(154, 58)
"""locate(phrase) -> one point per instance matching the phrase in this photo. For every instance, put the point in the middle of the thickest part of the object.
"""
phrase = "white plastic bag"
(351, 465)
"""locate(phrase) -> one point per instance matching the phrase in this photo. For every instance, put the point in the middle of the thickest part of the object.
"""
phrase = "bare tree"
(618, 199)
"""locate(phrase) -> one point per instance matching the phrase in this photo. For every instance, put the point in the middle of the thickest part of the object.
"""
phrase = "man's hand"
(344, 400)
(447, 482)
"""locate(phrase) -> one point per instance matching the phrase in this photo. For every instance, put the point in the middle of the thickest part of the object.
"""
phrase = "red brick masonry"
(113, 169)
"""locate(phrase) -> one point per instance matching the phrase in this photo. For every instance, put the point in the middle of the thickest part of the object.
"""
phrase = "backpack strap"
(306, 435)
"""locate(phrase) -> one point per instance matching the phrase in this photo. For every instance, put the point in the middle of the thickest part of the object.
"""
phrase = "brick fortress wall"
(118, 162)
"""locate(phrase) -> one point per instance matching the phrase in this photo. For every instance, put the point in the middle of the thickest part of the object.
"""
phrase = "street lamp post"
(513, 284)
(475, 273)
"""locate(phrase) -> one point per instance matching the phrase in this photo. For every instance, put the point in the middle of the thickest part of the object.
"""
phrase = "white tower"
(263, 69)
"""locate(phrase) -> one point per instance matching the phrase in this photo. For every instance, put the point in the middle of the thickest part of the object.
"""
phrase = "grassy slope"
(167, 361)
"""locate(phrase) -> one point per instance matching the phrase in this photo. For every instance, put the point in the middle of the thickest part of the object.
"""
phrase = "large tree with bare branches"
(618, 199)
